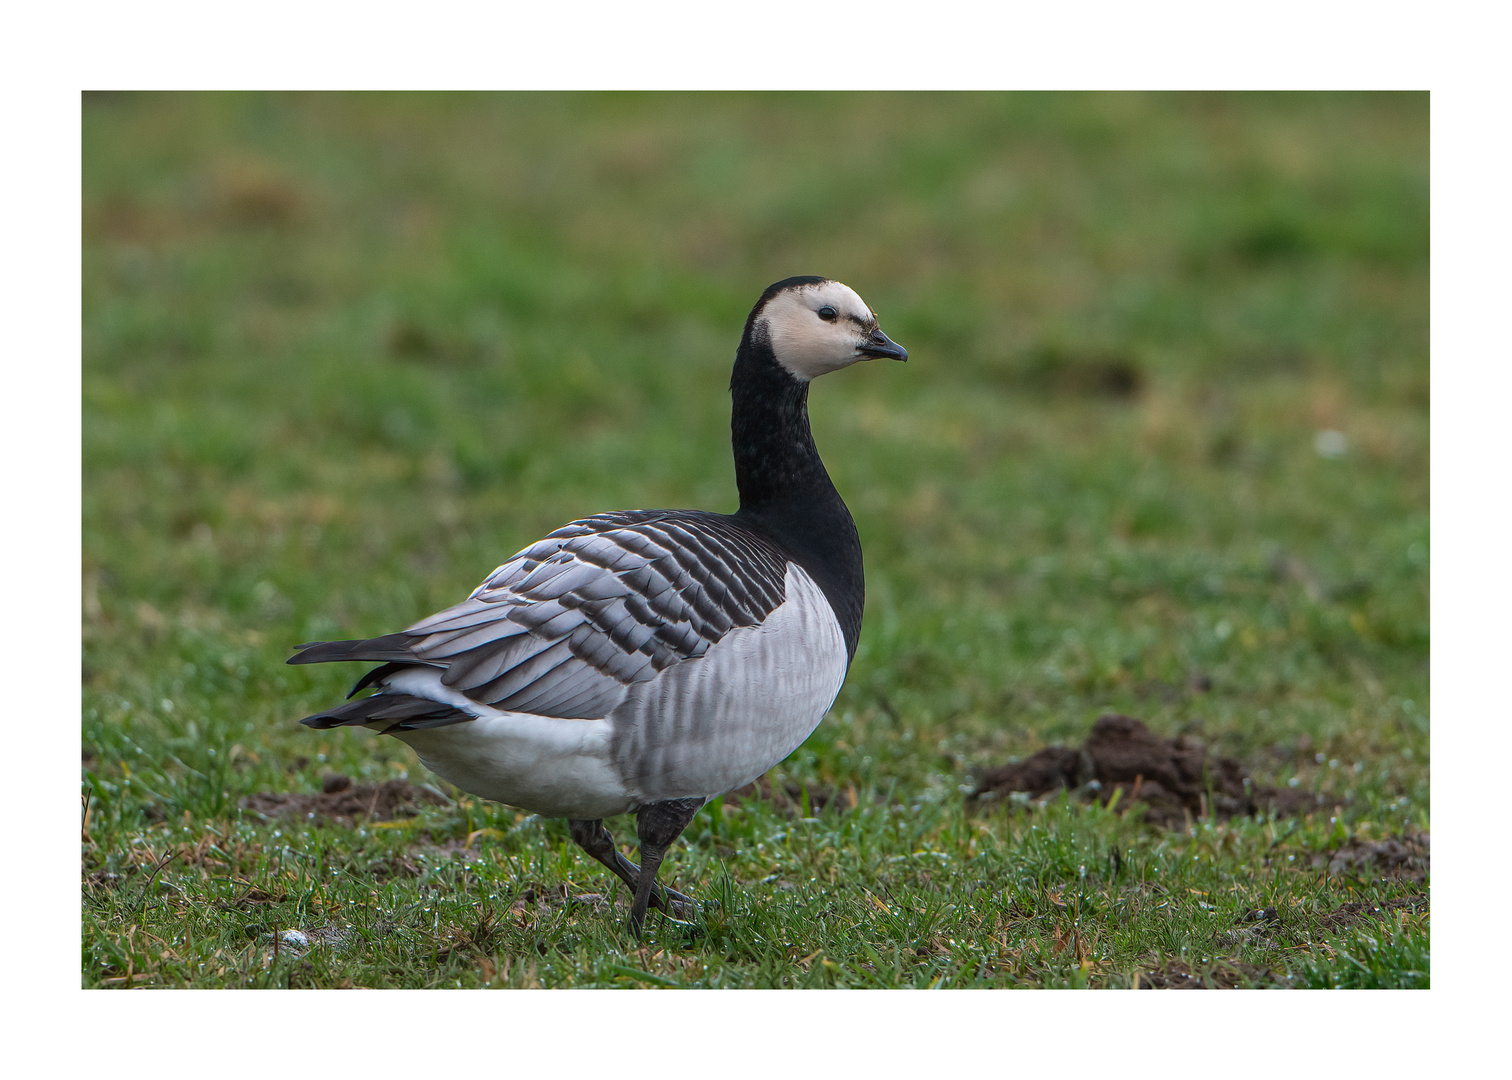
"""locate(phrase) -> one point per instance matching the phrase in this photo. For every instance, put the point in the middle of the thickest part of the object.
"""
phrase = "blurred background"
(1161, 447)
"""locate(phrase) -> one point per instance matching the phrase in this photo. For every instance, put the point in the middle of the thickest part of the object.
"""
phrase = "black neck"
(785, 491)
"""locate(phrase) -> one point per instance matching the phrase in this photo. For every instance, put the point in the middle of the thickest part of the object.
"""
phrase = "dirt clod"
(1051, 769)
(348, 802)
(1176, 779)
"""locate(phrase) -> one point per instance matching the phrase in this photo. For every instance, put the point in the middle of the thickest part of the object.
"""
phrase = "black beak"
(879, 345)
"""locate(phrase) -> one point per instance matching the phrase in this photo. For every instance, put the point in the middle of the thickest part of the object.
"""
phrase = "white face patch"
(815, 329)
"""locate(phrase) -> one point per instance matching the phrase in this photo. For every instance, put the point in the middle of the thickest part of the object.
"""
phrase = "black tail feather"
(407, 713)
(389, 647)
(382, 671)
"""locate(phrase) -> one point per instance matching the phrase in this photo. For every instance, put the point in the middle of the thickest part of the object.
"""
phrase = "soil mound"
(347, 802)
(1177, 779)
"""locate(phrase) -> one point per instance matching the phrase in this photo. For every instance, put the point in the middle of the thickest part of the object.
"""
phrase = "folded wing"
(565, 626)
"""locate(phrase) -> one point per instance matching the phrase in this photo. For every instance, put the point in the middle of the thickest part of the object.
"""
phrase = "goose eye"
(828, 314)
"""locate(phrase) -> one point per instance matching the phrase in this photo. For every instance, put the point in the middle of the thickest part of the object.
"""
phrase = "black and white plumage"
(651, 660)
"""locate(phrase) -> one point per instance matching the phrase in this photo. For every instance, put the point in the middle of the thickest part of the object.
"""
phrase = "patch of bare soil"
(788, 797)
(394, 868)
(1179, 975)
(1176, 779)
(1346, 915)
(467, 849)
(1269, 927)
(538, 895)
(536, 902)
(1397, 858)
(346, 802)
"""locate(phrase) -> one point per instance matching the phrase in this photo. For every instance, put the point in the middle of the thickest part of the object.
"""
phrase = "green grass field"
(1161, 449)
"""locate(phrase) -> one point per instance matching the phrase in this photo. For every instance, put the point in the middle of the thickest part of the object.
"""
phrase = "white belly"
(552, 767)
(556, 768)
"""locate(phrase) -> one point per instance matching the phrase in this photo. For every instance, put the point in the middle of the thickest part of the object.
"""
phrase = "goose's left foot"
(656, 826)
(594, 838)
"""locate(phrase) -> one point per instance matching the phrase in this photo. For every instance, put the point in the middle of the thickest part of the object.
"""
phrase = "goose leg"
(594, 838)
(656, 825)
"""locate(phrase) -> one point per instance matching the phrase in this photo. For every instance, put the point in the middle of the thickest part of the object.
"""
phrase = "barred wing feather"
(564, 627)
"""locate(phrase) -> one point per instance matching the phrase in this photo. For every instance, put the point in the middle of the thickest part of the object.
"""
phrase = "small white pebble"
(1331, 444)
(296, 938)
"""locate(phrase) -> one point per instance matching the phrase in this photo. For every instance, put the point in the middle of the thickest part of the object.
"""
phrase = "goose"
(648, 661)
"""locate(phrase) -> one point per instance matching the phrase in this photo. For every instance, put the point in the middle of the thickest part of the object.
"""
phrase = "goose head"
(814, 326)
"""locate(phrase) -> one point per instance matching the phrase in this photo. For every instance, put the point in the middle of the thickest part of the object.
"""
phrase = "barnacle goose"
(648, 661)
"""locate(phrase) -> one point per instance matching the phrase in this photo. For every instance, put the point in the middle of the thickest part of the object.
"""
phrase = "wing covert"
(567, 624)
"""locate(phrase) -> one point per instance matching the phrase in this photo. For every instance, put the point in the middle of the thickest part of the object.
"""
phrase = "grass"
(344, 354)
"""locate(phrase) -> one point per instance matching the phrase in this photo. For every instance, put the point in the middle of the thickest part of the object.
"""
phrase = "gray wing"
(567, 624)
